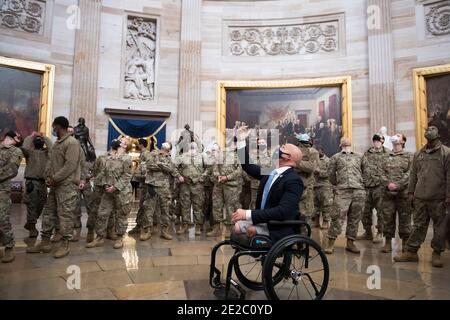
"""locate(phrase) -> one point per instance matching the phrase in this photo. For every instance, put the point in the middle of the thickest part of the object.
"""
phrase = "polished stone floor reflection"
(179, 269)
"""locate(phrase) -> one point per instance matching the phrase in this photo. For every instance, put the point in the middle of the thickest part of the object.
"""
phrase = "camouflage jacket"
(372, 170)
(208, 164)
(430, 174)
(99, 169)
(396, 168)
(159, 170)
(345, 170)
(118, 170)
(322, 176)
(10, 158)
(141, 171)
(265, 162)
(230, 167)
(64, 165)
(308, 165)
(191, 167)
(37, 160)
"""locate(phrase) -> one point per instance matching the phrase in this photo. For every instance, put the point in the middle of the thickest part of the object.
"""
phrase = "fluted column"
(190, 63)
(381, 66)
(85, 67)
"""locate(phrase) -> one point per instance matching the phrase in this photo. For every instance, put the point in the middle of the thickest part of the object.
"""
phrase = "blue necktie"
(267, 189)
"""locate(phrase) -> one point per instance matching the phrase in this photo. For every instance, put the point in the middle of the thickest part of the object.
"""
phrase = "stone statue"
(81, 133)
(387, 138)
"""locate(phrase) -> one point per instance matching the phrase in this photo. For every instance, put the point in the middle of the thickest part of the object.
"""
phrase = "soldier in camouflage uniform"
(63, 178)
(345, 172)
(429, 190)
(209, 159)
(190, 166)
(261, 158)
(84, 196)
(395, 178)
(372, 172)
(117, 196)
(36, 149)
(306, 170)
(10, 158)
(227, 174)
(323, 192)
(159, 170)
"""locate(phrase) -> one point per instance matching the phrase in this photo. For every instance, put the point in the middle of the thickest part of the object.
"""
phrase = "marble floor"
(179, 270)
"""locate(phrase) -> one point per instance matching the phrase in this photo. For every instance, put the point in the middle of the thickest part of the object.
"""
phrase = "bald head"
(292, 155)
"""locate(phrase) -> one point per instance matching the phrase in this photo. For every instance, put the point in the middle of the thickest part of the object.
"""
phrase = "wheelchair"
(294, 268)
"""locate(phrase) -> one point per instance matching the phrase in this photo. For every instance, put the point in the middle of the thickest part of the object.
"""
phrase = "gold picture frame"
(47, 87)
(345, 82)
(420, 76)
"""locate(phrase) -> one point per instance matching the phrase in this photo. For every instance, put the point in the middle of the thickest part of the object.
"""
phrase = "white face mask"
(395, 140)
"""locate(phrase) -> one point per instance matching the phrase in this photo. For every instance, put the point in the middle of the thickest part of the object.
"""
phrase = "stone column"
(85, 67)
(381, 67)
(190, 63)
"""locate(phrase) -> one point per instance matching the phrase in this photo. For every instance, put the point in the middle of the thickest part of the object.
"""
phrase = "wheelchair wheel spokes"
(306, 275)
(248, 269)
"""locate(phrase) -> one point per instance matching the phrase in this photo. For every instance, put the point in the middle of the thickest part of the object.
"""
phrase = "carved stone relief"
(437, 17)
(297, 39)
(140, 58)
(23, 15)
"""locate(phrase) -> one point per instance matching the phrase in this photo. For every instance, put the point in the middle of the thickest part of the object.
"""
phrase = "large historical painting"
(438, 103)
(316, 111)
(20, 98)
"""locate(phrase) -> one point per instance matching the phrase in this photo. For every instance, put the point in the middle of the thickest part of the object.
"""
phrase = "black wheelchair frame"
(296, 244)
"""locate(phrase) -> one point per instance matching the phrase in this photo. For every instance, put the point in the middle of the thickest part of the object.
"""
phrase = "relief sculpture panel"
(23, 15)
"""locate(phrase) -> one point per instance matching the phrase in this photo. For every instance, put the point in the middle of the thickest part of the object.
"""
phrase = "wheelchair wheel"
(249, 269)
(305, 278)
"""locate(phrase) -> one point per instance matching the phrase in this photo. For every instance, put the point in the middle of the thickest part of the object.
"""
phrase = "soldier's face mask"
(38, 143)
(115, 144)
(54, 132)
(432, 134)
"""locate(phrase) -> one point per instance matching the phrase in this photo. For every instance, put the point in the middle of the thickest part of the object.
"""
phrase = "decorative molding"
(136, 114)
(437, 18)
(139, 76)
(304, 36)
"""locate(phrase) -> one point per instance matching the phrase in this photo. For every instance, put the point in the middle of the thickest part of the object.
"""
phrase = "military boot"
(98, 242)
(165, 233)
(316, 222)
(76, 235)
(146, 234)
(388, 246)
(407, 256)
(436, 260)
(367, 235)
(351, 246)
(330, 246)
(378, 238)
(63, 250)
(111, 234)
(118, 244)
(215, 232)
(31, 227)
(198, 229)
(135, 230)
(8, 256)
(44, 246)
(90, 235)
(325, 225)
(56, 236)
(183, 228)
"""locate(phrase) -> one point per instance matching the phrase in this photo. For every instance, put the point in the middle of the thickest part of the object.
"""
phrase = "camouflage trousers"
(207, 204)
(245, 196)
(374, 200)
(6, 232)
(140, 214)
(349, 204)
(175, 204)
(254, 196)
(323, 202)
(307, 204)
(192, 195)
(225, 197)
(423, 211)
(96, 198)
(58, 212)
(35, 198)
(161, 199)
(84, 197)
(119, 203)
(393, 206)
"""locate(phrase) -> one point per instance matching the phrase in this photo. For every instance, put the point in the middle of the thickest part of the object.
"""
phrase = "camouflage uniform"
(263, 161)
(396, 168)
(36, 189)
(10, 158)
(208, 185)
(85, 194)
(159, 170)
(372, 172)
(175, 203)
(306, 170)
(346, 174)
(430, 183)
(323, 190)
(65, 170)
(139, 176)
(191, 191)
(245, 194)
(226, 195)
(117, 173)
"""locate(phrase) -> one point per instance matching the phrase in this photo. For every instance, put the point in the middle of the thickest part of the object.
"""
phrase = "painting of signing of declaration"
(316, 111)
(438, 105)
(20, 96)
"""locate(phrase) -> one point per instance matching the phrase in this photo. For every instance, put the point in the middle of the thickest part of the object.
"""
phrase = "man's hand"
(239, 215)
(110, 189)
(251, 231)
(392, 186)
(242, 133)
(82, 185)
(181, 179)
(223, 179)
(50, 182)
